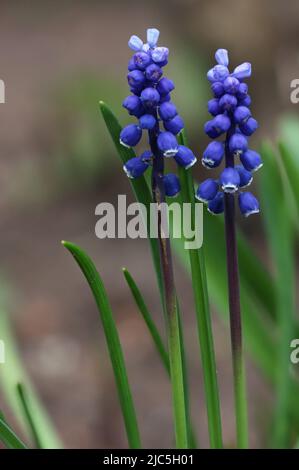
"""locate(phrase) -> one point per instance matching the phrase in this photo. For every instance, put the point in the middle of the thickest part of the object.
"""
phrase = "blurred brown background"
(58, 59)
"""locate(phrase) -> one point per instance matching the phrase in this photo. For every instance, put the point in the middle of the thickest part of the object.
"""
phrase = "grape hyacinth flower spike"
(232, 124)
(150, 103)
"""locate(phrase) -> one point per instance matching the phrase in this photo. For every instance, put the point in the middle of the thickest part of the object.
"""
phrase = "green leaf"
(204, 327)
(148, 319)
(11, 373)
(9, 437)
(280, 235)
(159, 345)
(113, 343)
(29, 415)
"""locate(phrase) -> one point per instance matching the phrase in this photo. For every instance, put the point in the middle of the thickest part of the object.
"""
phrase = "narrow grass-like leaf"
(11, 373)
(280, 235)
(158, 342)
(9, 437)
(199, 283)
(113, 343)
(29, 415)
(148, 319)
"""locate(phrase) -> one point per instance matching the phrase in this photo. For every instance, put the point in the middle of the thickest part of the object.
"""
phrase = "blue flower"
(248, 204)
(174, 125)
(213, 155)
(245, 176)
(207, 190)
(130, 135)
(150, 102)
(135, 167)
(216, 205)
(251, 160)
(231, 115)
(229, 180)
(167, 144)
(171, 185)
(185, 157)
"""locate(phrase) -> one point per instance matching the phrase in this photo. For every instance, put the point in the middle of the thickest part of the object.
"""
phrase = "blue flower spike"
(232, 124)
(150, 103)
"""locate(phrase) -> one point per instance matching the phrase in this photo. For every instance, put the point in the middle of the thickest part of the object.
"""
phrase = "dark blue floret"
(216, 205)
(207, 190)
(171, 185)
(231, 116)
(248, 204)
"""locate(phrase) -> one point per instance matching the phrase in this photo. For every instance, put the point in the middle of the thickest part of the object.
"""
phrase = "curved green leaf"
(113, 343)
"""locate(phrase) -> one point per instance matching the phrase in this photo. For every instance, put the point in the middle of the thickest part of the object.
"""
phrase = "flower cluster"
(231, 113)
(150, 102)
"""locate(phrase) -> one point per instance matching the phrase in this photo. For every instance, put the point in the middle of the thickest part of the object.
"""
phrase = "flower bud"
(249, 127)
(160, 55)
(130, 135)
(165, 86)
(241, 114)
(135, 167)
(231, 85)
(218, 73)
(135, 43)
(167, 144)
(153, 73)
(175, 125)
(245, 176)
(171, 185)
(141, 60)
(133, 105)
(229, 180)
(248, 204)
(213, 107)
(185, 157)
(221, 57)
(152, 36)
(216, 206)
(147, 121)
(227, 102)
(251, 160)
(237, 144)
(242, 71)
(207, 190)
(150, 97)
(167, 111)
(217, 126)
(217, 89)
(136, 78)
(213, 155)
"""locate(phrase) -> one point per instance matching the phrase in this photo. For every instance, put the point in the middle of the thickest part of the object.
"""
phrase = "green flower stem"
(235, 312)
(204, 327)
(170, 302)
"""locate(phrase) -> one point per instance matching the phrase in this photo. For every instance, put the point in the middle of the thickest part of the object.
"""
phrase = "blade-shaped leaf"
(202, 308)
(11, 373)
(279, 230)
(9, 437)
(113, 343)
(29, 415)
(148, 319)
